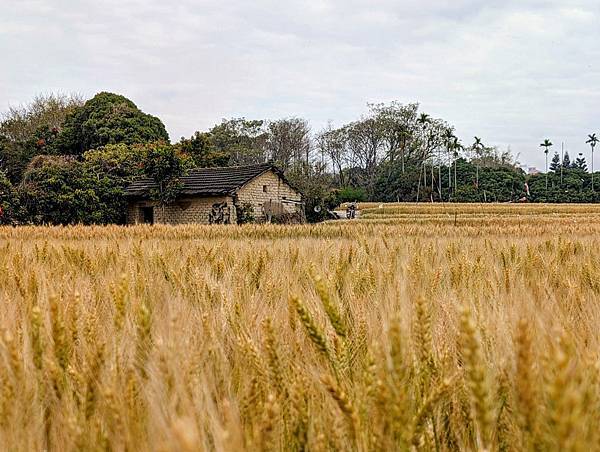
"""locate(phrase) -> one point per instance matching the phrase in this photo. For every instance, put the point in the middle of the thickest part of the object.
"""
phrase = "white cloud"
(513, 72)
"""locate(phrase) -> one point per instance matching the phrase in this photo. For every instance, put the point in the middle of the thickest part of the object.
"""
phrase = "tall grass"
(392, 333)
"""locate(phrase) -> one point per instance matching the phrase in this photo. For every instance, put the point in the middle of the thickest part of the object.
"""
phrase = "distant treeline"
(64, 160)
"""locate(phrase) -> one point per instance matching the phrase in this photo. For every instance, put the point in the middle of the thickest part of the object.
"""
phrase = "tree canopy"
(65, 161)
(107, 118)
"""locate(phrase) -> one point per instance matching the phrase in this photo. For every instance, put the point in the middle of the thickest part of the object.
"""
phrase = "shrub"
(351, 194)
(245, 214)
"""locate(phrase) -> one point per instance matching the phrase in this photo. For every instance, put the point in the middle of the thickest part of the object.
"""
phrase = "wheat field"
(418, 327)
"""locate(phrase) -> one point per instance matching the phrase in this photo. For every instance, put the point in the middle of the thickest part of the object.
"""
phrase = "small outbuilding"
(227, 195)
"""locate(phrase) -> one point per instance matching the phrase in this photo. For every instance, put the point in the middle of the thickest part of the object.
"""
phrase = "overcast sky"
(511, 72)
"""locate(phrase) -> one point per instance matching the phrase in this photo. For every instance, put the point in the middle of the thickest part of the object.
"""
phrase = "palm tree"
(546, 145)
(592, 141)
(477, 147)
(423, 119)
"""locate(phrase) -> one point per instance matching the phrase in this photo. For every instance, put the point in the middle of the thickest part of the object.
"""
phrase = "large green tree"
(90, 190)
(55, 191)
(108, 118)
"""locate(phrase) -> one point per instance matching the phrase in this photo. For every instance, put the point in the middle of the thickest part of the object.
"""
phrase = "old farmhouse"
(226, 195)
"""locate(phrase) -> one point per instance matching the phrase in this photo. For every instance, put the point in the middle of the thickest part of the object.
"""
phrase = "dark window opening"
(147, 215)
(265, 188)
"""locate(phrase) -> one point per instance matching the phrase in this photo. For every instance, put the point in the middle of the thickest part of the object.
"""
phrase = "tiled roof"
(207, 181)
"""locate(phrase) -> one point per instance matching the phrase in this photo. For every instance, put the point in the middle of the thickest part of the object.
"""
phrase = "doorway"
(147, 215)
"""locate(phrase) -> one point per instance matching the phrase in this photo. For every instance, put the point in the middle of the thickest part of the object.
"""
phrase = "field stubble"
(423, 327)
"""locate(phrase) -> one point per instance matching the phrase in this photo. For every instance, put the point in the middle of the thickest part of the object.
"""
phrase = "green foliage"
(576, 187)
(393, 184)
(351, 194)
(580, 163)
(16, 155)
(32, 130)
(245, 214)
(9, 201)
(235, 141)
(108, 119)
(113, 167)
(243, 140)
(118, 161)
(202, 152)
(547, 144)
(499, 183)
(64, 161)
(56, 190)
(566, 163)
(165, 166)
(555, 163)
(63, 190)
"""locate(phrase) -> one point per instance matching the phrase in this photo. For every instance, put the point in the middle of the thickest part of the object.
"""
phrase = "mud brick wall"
(182, 211)
(276, 191)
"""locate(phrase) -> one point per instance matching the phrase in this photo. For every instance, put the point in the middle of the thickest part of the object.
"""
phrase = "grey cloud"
(513, 72)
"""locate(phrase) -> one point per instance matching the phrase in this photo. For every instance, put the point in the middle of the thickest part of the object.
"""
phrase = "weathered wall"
(183, 211)
(197, 210)
(134, 214)
(277, 191)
